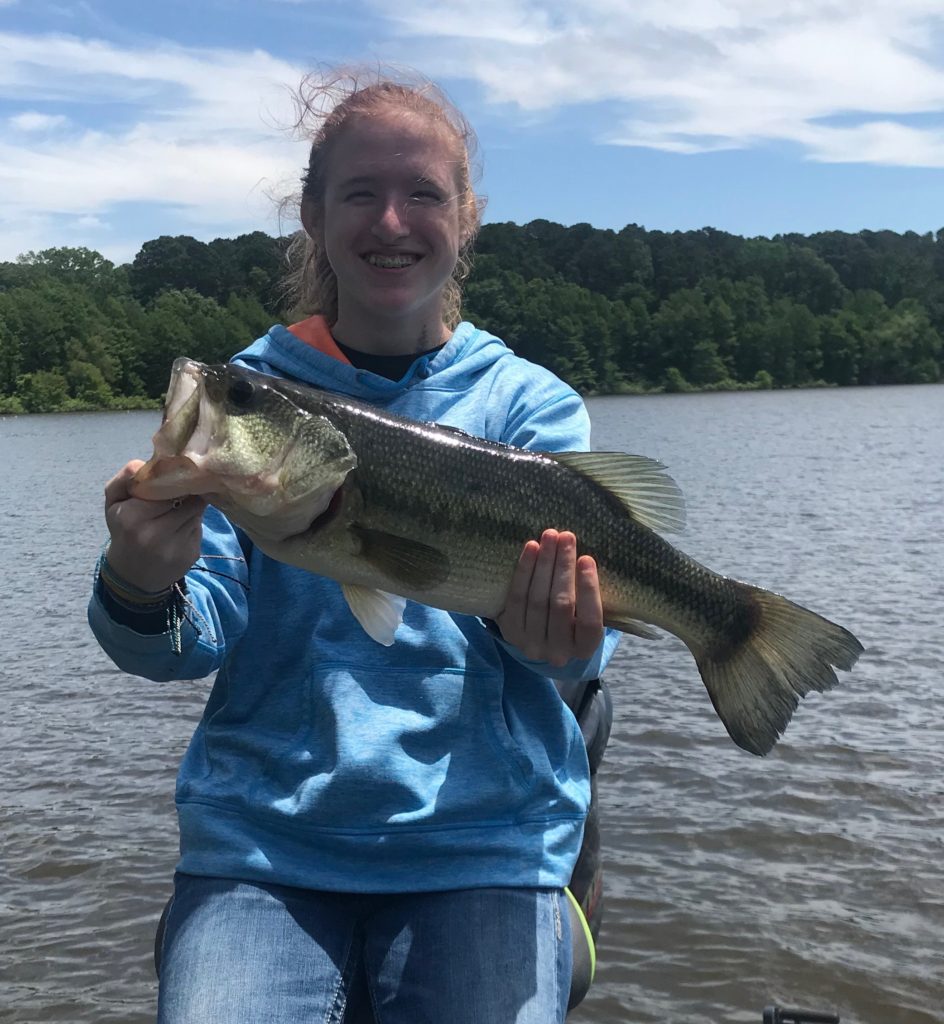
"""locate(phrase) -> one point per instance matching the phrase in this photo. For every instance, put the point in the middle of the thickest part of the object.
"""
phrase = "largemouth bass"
(395, 509)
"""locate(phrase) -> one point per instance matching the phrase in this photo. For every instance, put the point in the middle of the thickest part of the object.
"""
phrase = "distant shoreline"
(627, 391)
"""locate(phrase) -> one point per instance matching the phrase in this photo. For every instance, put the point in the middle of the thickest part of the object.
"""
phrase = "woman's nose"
(392, 222)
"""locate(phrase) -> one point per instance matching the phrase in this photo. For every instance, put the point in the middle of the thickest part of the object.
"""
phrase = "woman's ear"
(310, 220)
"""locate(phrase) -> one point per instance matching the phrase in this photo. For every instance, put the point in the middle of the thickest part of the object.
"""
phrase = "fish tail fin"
(756, 684)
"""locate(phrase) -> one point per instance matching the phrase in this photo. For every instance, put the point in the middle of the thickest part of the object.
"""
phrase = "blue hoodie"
(327, 761)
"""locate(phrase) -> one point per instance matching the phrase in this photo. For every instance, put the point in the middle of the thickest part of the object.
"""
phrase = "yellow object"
(588, 935)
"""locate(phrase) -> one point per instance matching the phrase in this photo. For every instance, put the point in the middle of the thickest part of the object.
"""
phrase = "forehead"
(384, 144)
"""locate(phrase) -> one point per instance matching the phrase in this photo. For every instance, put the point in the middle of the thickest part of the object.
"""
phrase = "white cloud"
(194, 91)
(877, 142)
(491, 21)
(33, 121)
(208, 137)
(202, 130)
(700, 75)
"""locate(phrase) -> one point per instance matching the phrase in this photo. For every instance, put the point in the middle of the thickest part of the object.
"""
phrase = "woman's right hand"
(153, 543)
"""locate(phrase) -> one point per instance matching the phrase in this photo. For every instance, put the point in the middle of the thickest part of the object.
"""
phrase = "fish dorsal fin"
(419, 566)
(640, 483)
(378, 612)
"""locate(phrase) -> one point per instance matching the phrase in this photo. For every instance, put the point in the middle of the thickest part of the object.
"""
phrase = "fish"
(395, 509)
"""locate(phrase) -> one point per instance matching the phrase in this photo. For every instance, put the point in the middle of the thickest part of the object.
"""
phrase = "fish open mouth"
(231, 435)
(172, 472)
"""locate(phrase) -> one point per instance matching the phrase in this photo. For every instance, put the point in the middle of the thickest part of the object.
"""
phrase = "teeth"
(390, 262)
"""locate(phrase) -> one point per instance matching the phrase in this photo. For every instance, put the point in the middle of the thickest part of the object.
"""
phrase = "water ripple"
(811, 877)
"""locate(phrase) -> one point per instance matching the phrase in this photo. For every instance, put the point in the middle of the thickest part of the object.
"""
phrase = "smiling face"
(390, 227)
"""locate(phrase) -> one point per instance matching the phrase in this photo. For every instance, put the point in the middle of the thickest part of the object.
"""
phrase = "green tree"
(251, 265)
(604, 309)
(43, 391)
(184, 323)
(906, 348)
(9, 359)
(631, 331)
(841, 342)
(681, 323)
(514, 249)
(673, 381)
(792, 344)
(83, 267)
(247, 318)
(707, 367)
(87, 385)
(175, 263)
(45, 317)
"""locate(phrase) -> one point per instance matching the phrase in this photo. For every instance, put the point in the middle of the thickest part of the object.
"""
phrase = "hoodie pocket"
(400, 749)
(503, 739)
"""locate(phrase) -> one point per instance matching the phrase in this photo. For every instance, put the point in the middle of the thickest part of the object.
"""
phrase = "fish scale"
(461, 506)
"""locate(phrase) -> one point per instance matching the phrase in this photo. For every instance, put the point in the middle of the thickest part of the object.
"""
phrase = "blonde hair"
(326, 102)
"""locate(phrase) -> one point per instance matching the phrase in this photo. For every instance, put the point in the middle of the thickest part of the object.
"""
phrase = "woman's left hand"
(554, 611)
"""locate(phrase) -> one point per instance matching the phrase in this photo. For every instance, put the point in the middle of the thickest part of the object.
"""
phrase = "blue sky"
(121, 120)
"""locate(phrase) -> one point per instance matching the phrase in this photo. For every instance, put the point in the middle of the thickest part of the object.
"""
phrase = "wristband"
(128, 592)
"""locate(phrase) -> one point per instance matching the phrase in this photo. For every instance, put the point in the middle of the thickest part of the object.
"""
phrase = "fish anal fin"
(411, 562)
(378, 612)
(640, 484)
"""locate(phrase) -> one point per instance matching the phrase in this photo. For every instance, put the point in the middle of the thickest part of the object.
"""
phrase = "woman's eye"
(360, 194)
(427, 196)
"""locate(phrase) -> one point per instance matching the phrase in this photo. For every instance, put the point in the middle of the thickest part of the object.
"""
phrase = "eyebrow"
(369, 179)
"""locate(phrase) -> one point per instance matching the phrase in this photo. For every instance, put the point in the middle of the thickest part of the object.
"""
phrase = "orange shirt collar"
(314, 331)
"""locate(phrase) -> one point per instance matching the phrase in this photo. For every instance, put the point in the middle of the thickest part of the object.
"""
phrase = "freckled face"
(391, 226)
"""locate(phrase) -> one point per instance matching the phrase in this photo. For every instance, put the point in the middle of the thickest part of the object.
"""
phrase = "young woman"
(407, 814)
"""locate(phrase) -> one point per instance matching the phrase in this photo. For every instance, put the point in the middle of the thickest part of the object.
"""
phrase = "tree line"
(608, 311)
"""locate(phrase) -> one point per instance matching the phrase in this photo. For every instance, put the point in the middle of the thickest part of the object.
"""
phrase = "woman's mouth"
(396, 261)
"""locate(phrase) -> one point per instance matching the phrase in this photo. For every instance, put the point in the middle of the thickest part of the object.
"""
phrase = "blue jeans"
(245, 953)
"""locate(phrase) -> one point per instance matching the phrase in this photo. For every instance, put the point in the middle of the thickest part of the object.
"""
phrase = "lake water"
(812, 877)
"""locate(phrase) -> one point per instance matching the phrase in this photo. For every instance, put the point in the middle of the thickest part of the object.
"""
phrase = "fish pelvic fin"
(378, 612)
(756, 684)
(641, 485)
(633, 626)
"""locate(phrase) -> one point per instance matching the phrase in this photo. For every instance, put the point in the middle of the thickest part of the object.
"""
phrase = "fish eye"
(240, 392)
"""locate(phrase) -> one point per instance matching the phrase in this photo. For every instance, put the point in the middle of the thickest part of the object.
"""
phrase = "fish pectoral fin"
(640, 484)
(416, 565)
(378, 612)
(633, 626)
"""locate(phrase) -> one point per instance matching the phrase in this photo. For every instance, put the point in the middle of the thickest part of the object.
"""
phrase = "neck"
(394, 337)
